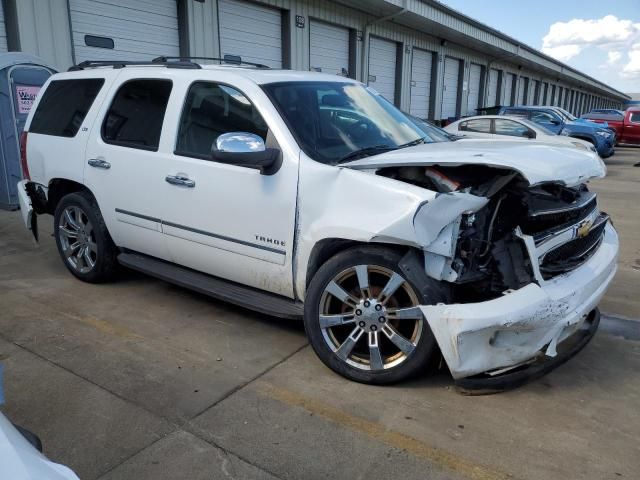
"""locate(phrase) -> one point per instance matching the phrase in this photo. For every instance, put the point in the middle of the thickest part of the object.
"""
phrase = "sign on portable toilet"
(21, 78)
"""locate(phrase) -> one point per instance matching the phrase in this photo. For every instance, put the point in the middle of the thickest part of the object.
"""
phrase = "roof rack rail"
(230, 59)
(130, 63)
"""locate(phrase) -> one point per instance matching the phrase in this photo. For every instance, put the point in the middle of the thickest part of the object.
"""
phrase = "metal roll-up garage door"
(520, 92)
(473, 99)
(533, 92)
(122, 30)
(3, 31)
(382, 67)
(508, 89)
(250, 31)
(328, 48)
(450, 88)
(492, 100)
(421, 62)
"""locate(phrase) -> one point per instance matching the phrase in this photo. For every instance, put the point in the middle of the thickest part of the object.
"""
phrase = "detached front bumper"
(518, 328)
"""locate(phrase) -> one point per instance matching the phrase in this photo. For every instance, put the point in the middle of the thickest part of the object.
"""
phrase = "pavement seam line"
(137, 452)
(176, 426)
(247, 383)
(437, 456)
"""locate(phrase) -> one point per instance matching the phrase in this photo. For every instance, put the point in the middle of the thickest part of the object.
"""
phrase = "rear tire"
(362, 319)
(84, 244)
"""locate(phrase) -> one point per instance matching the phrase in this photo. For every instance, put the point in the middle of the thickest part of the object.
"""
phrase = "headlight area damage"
(527, 266)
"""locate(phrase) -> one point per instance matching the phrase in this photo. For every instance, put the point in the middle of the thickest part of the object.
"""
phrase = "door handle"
(180, 180)
(98, 163)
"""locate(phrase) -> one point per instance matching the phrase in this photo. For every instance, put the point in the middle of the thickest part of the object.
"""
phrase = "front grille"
(572, 254)
(556, 220)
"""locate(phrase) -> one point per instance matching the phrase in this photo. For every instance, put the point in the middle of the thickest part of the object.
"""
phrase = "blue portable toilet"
(21, 77)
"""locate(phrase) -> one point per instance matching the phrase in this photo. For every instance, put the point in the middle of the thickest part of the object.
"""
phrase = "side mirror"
(555, 122)
(529, 134)
(246, 150)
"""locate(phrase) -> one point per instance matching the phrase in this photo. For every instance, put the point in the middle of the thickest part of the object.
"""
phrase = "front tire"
(83, 241)
(362, 317)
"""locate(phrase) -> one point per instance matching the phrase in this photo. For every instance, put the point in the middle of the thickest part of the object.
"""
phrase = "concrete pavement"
(141, 380)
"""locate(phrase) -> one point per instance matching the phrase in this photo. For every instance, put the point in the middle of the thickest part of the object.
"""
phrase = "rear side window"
(64, 105)
(136, 114)
(634, 117)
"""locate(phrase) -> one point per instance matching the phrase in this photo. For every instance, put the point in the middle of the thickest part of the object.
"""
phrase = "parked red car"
(627, 126)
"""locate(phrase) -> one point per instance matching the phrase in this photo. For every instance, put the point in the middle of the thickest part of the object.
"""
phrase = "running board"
(214, 287)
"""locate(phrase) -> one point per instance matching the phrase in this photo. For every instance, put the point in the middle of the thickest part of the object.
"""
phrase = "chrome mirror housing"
(238, 142)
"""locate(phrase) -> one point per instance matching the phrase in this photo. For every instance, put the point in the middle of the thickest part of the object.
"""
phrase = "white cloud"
(613, 57)
(563, 52)
(608, 29)
(619, 37)
(632, 69)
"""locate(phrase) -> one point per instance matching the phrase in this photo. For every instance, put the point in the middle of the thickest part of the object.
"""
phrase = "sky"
(598, 37)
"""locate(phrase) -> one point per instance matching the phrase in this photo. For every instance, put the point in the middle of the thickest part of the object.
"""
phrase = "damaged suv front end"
(524, 247)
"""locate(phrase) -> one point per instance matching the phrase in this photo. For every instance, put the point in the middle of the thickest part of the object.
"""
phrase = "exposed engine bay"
(523, 234)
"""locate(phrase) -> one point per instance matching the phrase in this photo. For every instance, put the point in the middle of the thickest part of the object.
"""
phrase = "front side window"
(336, 122)
(478, 125)
(64, 105)
(210, 110)
(136, 114)
(511, 128)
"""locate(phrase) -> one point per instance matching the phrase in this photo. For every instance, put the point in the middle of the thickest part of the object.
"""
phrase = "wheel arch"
(58, 188)
(326, 248)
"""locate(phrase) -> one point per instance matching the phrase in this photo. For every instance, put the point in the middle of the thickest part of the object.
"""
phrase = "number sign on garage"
(250, 31)
(328, 48)
(121, 30)
(382, 67)
(475, 82)
(450, 90)
(421, 63)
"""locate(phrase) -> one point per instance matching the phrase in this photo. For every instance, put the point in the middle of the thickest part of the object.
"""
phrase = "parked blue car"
(563, 123)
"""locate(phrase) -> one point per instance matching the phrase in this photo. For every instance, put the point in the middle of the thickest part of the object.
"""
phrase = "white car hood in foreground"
(19, 460)
(536, 162)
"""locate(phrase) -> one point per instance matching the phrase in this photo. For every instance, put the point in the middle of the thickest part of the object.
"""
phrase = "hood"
(590, 122)
(536, 162)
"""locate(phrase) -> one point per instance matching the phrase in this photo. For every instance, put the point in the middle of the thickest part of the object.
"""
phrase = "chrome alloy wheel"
(369, 317)
(77, 239)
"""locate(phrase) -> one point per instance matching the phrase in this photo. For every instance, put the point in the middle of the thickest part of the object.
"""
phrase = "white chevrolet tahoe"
(300, 194)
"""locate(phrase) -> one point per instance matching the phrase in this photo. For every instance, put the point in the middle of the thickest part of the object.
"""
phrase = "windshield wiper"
(365, 152)
(415, 142)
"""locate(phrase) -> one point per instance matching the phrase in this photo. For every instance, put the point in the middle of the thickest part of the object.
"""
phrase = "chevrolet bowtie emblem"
(583, 229)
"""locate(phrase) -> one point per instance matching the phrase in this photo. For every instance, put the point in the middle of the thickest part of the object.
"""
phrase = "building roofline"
(518, 44)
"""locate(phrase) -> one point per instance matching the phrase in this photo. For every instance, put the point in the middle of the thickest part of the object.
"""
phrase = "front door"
(229, 221)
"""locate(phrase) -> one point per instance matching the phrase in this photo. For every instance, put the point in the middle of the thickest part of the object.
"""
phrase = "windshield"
(338, 121)
(436, 134)
(565, 114)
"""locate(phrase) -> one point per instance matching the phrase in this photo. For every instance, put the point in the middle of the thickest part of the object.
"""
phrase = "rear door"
(124, 166)
(508, 89)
